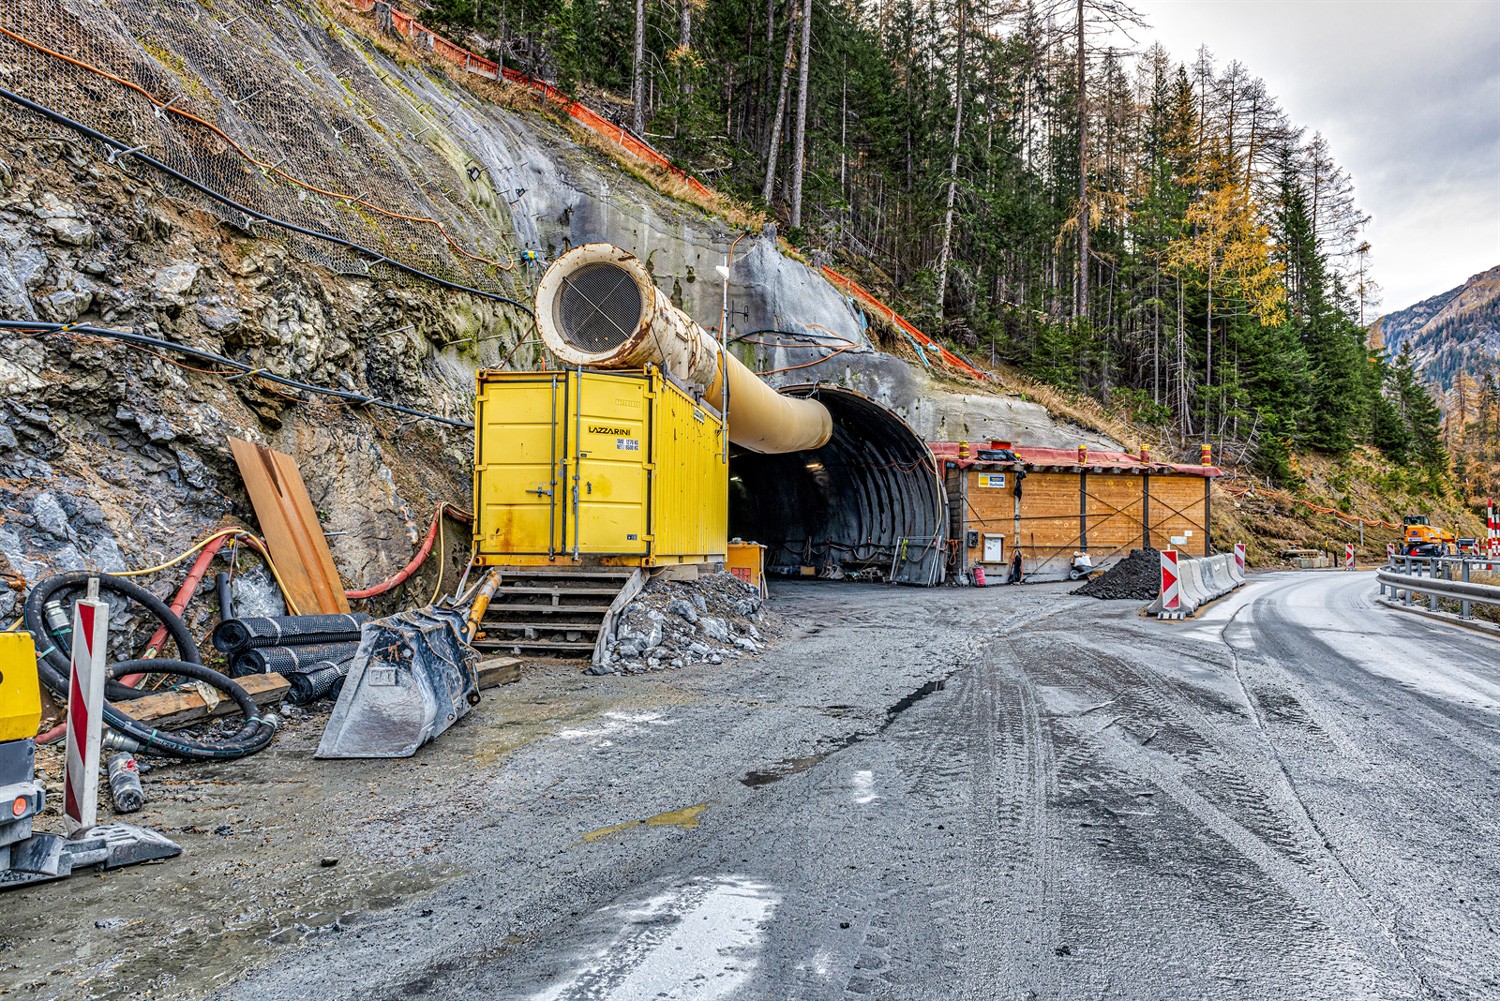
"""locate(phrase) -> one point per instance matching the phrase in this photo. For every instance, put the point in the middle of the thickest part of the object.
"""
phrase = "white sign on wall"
(992, 479)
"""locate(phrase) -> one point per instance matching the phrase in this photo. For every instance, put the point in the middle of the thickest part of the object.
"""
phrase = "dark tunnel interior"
(868, 504)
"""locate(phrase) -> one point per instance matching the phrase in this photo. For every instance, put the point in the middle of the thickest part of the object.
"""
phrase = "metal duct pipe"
(597, 307)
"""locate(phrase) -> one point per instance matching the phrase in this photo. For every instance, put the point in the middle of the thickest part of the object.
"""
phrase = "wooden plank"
(631, 588)
(170, 710)
(495, 671)
(291, 528)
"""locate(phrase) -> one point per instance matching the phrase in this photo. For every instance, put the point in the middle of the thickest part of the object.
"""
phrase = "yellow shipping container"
(620, 468)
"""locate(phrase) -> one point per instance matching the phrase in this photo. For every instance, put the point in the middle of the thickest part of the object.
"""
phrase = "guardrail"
(1400, 579)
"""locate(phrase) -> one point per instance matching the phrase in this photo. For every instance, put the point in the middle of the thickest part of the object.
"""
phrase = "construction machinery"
(1421, 539)
(32, 857)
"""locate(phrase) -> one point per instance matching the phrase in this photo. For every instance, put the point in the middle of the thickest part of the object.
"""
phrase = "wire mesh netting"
(276, 107)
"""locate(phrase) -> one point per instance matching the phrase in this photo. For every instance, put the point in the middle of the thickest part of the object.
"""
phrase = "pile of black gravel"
(1137, 576)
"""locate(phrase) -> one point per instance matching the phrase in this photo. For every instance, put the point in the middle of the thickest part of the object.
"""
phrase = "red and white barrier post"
(1171, 587)
(1348, 556)
(1390, 551)
(1492, 542)
(85, 712)
(1239, 557)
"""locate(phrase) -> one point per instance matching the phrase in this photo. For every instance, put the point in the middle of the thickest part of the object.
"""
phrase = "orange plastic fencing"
(854, 288)
(1289, 499)
(422, 36)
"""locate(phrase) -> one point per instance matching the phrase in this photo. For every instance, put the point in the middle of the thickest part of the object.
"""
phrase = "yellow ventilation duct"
(597, 307)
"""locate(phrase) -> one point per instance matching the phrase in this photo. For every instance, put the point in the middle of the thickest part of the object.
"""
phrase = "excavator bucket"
(413, 677)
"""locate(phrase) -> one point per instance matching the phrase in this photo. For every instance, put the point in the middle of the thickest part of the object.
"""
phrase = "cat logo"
(608, 429)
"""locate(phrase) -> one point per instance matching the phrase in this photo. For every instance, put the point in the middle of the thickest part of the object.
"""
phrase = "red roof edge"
(1096, 458)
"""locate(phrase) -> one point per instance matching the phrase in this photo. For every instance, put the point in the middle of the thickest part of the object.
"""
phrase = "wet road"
(1009, 793)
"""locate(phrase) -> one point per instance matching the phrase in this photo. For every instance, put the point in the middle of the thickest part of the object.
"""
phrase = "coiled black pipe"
(316, 684)
(126, 148)
(285, 660)
(54, 640)
(238, 635)
(54, 667)
(253, 736)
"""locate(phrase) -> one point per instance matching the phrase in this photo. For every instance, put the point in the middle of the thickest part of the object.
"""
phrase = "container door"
(519, 490)
(610, 430)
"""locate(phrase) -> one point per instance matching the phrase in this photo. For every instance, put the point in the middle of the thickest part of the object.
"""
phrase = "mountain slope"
(1457, 331)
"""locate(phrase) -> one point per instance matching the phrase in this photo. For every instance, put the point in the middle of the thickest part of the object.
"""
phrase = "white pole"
(85, 712)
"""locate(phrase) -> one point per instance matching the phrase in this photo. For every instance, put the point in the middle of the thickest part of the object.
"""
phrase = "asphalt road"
(928, 794)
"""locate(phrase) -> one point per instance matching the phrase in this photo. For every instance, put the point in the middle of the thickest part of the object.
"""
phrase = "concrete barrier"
(1201, 581)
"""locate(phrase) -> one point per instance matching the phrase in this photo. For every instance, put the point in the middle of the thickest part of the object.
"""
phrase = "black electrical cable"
(124, 147)
(53, 640)
(54, 669)
(253, 736)
(127, 337)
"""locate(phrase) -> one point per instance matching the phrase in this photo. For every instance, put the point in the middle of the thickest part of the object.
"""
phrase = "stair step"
(534, 645)
(554, 627)
(555, 589)
(530, 607)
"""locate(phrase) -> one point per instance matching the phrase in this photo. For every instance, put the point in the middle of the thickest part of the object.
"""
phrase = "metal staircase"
(550, 612)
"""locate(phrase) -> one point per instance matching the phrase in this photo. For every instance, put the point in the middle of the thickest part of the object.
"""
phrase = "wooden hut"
(1054, 502)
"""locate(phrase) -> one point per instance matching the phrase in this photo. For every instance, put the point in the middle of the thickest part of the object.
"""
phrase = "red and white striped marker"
(1348, 556)
(1492, 542)
(1171, 589)
(1390, 550)
(85, 712)
(1239, 557)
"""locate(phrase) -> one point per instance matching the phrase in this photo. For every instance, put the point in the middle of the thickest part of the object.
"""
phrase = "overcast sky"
(1408, 94)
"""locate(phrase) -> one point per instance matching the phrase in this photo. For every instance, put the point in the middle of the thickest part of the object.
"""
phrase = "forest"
(1038, 183)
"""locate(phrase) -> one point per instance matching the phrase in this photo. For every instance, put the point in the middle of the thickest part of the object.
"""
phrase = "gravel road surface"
(1004, 793)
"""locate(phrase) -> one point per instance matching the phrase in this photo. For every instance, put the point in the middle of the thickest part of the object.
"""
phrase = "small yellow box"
(20, 696)
(747, 561)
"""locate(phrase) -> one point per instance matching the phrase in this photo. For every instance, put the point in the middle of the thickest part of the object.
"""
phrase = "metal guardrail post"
(1467, 606)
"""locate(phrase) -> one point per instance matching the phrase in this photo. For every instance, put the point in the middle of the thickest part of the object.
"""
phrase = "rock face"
(1448, 334)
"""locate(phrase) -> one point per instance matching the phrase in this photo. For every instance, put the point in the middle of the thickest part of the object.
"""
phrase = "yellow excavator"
(1421, 539)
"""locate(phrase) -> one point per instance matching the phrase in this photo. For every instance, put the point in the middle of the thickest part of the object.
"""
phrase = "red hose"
(401, 576)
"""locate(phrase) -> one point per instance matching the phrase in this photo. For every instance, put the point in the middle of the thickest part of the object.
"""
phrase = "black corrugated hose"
(54, 668)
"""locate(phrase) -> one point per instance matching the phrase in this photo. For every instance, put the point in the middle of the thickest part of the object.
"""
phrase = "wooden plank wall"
(988, 511)
(1178, 507)
(1116, 508)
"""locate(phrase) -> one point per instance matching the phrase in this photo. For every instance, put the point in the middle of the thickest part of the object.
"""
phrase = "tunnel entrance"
(869, 504)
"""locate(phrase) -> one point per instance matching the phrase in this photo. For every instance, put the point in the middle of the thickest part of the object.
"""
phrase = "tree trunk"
(774, 146)
(799, 142)
(1082, 305)
(638, 74)
(958, 124)
(685, 46)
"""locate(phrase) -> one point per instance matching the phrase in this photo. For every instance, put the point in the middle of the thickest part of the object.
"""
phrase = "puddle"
(792, 766)
(701, 940)
(686, 818)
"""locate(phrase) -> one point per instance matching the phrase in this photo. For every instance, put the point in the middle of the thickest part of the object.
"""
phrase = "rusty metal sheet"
(291, 528)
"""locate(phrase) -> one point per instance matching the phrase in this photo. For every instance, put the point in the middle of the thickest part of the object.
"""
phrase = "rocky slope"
(114, 456)
(1457, 331)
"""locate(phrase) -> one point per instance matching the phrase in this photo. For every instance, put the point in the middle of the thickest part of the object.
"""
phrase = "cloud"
(1407, 93)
